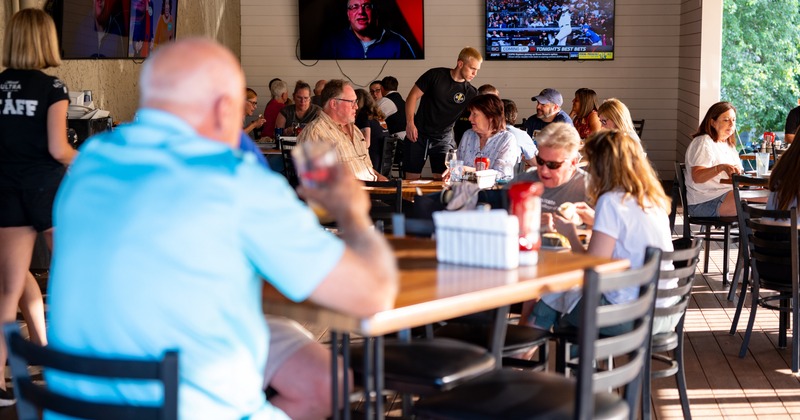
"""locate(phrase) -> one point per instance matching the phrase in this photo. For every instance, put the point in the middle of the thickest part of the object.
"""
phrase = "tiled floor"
(721, 385)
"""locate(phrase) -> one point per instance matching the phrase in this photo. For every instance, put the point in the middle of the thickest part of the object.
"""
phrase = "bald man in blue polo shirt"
(165, 229)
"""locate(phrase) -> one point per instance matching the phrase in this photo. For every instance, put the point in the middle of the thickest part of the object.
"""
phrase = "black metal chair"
(390, 144)
(707, 224)
(31, 397)
(289, 171)
(638, 126)
(509, 393)
(684, 260)
(773, 249)
(423, 365)
(742, 270)
(387, 200)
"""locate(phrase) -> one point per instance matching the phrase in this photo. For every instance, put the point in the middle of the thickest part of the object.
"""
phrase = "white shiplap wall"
(652, 72)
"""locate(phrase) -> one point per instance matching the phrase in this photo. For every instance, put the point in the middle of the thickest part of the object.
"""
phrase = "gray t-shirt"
(573, 191)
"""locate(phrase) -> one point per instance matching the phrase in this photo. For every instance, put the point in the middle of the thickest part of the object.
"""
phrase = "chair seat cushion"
(514, 394)
(713, 221)
(518, 337)
(427, 365)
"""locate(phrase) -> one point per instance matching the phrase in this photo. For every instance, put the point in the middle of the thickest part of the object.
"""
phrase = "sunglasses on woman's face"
(549, 163)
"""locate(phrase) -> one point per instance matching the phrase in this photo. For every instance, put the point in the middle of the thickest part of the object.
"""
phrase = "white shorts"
(286, 337)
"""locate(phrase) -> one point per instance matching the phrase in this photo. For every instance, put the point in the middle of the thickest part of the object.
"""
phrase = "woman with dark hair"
(584, 112)
(784, 181)
(298, 114)
(34, 153)
(488, 136)
(372, 122)
(711, 157)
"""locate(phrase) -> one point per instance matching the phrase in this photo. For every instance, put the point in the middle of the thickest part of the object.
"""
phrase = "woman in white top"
(711, 157)
(489, 137)
(630, 215)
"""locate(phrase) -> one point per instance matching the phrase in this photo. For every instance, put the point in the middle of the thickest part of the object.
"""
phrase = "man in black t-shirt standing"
(443, 94)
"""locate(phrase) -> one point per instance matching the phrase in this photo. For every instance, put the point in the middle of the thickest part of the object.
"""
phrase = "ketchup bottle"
(525, 199)
(481, 162)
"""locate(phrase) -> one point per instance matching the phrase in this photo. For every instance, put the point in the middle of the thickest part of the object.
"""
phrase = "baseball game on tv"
(550, 29)
(361, 29)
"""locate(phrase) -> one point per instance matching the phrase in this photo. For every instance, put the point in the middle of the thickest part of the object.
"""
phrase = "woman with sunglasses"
(488, 136)
(630, 214)
(557, 169)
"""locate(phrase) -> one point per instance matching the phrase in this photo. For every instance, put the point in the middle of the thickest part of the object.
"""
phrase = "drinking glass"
(456, 169)
(314, 162)
(762, 164)
(451, 155)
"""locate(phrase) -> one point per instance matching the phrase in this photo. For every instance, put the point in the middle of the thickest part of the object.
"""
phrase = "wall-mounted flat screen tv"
(361, 29)
(113, 28)
(550, 30)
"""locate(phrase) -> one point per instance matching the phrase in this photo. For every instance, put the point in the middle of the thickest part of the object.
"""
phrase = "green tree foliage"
(761, 60)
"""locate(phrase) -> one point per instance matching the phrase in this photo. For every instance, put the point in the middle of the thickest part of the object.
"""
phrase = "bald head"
(206, 90)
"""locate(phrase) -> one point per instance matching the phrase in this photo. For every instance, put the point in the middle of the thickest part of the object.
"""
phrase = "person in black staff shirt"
(34, 153)
(443, 95)
(548, 110)
(395, 109)
(792, 124)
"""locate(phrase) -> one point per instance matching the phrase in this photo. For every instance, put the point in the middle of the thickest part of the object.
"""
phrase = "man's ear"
(225, 118)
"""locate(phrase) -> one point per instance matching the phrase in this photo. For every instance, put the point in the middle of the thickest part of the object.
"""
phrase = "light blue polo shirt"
(162, 236)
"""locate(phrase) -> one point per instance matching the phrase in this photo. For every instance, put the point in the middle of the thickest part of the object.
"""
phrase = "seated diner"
(712, 156)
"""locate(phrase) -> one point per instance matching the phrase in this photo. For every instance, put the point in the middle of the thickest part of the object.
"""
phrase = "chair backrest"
(386, 198)
(638, 125)
(684, 262)
(634, 345)
(680, 178)
(389, 150)
(738, 182)
(32, 396)
(289, 171)
(772, 245)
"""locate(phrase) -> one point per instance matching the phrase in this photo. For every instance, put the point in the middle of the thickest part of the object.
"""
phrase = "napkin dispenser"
(477, 238)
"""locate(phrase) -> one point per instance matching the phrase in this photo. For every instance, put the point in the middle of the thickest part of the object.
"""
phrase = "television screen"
(550, 30)
(112, 28)
(361, 29)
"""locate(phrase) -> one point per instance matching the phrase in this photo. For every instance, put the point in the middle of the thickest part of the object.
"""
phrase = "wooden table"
(430, 292)
(411, 188)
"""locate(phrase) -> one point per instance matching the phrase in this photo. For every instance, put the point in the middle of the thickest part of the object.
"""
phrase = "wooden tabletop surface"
(412, 188)
(431, 292)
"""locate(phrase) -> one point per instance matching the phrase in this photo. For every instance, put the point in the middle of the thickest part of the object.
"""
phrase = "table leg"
(335, 397)
(346, 368)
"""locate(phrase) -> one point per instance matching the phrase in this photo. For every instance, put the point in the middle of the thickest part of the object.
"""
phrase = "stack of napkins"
(477, 238)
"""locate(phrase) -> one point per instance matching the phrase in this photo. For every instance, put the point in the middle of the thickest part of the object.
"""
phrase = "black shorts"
(27, 207)
(414, 153)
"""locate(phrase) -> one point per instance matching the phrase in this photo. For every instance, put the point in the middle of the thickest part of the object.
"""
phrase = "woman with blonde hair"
(34, 153)
(614, 115)
(630, 214)
(584, 112)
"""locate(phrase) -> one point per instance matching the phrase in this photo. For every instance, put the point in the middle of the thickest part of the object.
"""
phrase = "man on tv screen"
(364, 37)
